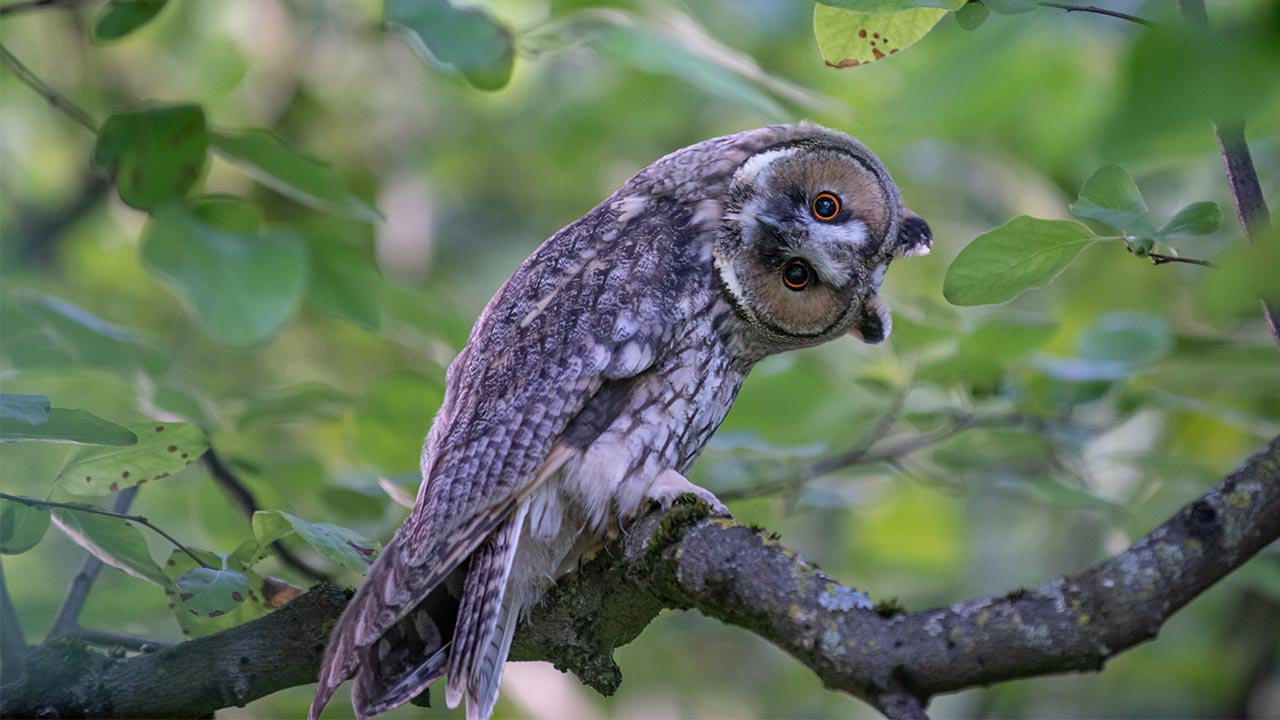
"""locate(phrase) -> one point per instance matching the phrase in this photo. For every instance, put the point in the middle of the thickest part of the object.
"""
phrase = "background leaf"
(290, 172)
(341, 545)
(161, 450)
(469, 39)
(1023, 253)
(243, 286)
(154, 156)
(67, 425)
(1199, 218)
(42, 331)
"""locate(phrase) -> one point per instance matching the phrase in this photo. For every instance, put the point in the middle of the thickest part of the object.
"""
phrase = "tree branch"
(67, 622)
(53, 97)
(13, 643)
(683, 559)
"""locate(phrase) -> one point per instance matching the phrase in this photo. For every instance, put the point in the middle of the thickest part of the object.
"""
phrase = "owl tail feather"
(486, 621)
(410, 654)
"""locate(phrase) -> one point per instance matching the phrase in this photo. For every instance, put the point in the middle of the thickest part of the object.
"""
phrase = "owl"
(594, 378)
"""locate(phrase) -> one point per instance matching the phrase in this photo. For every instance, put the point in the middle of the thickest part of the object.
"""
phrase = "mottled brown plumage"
(594, 378)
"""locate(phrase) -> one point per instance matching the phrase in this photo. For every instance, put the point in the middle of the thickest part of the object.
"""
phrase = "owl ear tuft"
(914, 238)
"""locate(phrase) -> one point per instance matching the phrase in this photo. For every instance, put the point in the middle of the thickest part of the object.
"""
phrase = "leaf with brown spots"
(847, 38)
(154, 156)
(98, 471)
(204, 601)
(211, 593)
(341, 545)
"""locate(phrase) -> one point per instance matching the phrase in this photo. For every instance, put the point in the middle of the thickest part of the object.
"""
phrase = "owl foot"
(670, 485)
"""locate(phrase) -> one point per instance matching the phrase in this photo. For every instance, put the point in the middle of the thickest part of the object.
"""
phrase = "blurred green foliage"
(305, 219)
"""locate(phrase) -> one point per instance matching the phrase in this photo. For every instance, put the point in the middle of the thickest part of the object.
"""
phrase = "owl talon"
(670, 485)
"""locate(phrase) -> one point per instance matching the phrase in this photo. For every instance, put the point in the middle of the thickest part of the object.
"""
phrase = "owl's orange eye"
(826, 206)
(796, 275)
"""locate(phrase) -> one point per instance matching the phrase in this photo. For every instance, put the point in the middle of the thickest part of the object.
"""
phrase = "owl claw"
(670, 485)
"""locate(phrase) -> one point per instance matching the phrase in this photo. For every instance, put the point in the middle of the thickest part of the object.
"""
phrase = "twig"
(13, 643)
(1159, 259)
(242, 498)
(67, 622)
(1098, 11)
(128, 642)
(29, 5)
(99, 511)
(53, 97)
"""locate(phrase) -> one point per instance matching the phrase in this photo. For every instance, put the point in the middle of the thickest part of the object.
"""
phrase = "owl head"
(809, 228)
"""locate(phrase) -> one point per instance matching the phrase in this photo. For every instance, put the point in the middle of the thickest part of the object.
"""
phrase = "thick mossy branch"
(683, 559)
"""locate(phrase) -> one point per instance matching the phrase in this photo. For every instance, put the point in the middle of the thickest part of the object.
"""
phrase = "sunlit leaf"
(1111, 197)
(290, 171)
(121, 17)
(22, 527)
(242, 286)
(468, 38)
(847, 38)
(892, 6)
(70, 426)
(154, 156)
(341, 545)
(1199, 218)
(112, 540)
(210, 593)
(161, 450)
(42, 331)
(1023, 253)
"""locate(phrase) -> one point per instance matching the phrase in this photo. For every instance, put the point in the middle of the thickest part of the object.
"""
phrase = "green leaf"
(469, 39)
(652, 52)
(972, 15)
(30, 409)
(1023, 253)
(391, 418)
(112, 540)
(121, 17)
(341, 545)
(210, 593)
(154, 156)
(892, 6)
(162, 449)
(1126, 336)
(1199, 218)
(345, 282)
(204, 618)
(44, 332)
(290, 172)
(847, 38)
(982, 357)
(66, 425)
(22, 527)
(305, 402)
(1111, 197)
(242, 286)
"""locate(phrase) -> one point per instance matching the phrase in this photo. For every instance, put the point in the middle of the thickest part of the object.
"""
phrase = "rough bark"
(683, 559)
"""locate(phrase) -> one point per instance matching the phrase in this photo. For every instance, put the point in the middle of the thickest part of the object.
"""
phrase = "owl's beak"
(771, 225)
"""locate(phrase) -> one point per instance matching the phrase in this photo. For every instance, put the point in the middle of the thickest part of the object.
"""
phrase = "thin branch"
(13, 643)
(1159, 259)
(53, 97)
(243, 498)
(1098, 11)
(681, 559)
(67, 622)
(18, 7)
(99, 511)
(1246, 191)
(128, 642)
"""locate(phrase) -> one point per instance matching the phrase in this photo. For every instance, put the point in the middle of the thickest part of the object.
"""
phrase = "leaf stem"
(53, 97)
(1159, 259)
(99, 511)
(1098, 11)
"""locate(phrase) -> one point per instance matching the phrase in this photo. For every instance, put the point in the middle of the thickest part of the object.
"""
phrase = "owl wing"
(600, 301)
